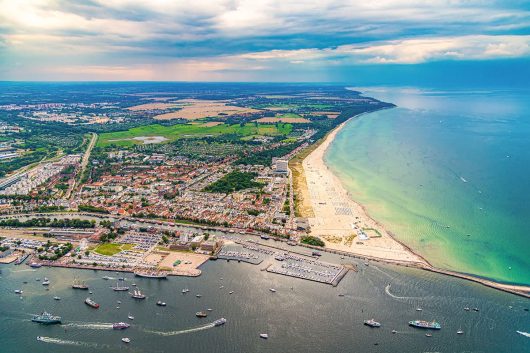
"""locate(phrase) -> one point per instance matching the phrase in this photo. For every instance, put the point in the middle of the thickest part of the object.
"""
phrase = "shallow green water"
(449, 174)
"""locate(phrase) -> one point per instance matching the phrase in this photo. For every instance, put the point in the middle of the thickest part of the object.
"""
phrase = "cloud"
(409, 51)
(219, 36)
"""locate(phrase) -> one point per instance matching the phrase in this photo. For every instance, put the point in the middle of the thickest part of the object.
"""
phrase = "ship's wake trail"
(174, 333)
(90, 325)
(523, 333)
(387, 291)
(66, 342)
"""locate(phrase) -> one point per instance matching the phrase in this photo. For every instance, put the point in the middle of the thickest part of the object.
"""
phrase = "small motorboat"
(40, 338)
(126, 340)
(46, 282)
(231, 292)
(419, 309)
(475, 309)
(466, 308)
(201, 314)
(185, 290)
(161, 303)
(428, 335)
(264, 335)
(272, 290)
(56, 298)
(130, 316)
(459, 332)
(394, 331)
(198, 295)
(19, 291)
(209, 309)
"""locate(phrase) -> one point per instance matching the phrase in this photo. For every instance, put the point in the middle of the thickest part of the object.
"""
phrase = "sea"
(301, 316)
(447, 172)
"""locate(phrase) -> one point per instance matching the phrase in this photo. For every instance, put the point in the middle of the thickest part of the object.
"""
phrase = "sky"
(376, 42)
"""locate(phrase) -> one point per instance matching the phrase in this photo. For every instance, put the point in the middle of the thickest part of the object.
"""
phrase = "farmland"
(175, 132)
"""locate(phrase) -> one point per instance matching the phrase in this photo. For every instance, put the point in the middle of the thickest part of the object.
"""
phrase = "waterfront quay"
(282, 262)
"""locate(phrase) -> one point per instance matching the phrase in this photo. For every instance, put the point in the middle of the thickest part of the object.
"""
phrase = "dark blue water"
(301, 316)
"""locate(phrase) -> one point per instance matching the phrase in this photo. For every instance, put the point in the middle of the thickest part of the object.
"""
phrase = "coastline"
(334, 214)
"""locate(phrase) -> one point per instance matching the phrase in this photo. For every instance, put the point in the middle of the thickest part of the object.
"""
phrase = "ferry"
(91, 303)
(201, 314)
(79, 285)
(137, 294)
(120, 326)
(46, 319)
(425, 324)
(219, 322)
(372, 323)
(119, 288)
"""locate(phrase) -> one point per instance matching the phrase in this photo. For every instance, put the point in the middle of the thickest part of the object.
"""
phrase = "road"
(84, 163)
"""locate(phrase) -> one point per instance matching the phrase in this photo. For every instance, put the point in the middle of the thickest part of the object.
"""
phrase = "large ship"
(120, 325)
(137, 294)
(46, 318)
(91, 303)
(153, 274)
(219, 322)
(425, 324)
(119, 288)
(79, 285)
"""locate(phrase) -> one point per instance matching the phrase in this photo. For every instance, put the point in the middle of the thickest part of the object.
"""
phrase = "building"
(282, 166)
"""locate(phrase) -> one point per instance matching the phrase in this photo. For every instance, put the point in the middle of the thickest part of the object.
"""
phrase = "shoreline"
(334, 212)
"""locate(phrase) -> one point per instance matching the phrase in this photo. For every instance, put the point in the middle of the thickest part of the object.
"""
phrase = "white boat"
(394, 331)
(130, 316)
(231, 292)
(19, 291)
(57, 298)
(272, 290)
(372, 323)
(198, 295)
(264, 335)
(126, 340)
(46, 282)
(459, 332)
(419, 309)
(185, 290)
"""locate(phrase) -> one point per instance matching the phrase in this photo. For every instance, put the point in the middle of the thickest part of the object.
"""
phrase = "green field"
(110, 249)
(174, 132)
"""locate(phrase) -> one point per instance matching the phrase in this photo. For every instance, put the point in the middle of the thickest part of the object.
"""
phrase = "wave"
(174, 333)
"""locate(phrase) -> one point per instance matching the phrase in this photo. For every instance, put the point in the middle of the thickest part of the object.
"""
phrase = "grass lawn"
(110, 249)
(174, 132)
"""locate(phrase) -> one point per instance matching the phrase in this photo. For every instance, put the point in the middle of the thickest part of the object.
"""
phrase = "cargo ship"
(46, 319)
(91, 303)
(425, 324)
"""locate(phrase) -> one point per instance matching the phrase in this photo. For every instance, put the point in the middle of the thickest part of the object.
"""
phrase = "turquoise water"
(448, 173)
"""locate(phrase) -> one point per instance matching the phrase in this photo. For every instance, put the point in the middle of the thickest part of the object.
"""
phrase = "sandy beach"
(339, 220)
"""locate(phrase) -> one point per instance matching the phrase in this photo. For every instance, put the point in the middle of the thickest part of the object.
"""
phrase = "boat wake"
(90, 325)
(174, 333)
(67, 342)
(387, 291)
(526, 334)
